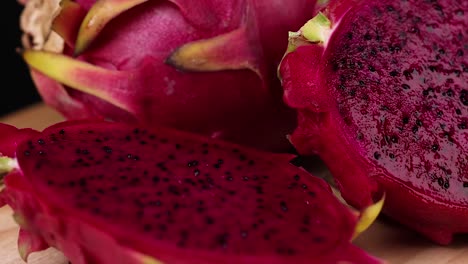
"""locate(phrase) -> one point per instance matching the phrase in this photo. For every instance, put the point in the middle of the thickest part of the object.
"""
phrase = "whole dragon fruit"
(204, 66)
(381, 90)
(108, 193)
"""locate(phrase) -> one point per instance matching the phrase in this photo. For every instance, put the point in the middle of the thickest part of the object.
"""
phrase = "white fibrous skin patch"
(35, 22)
(6, 165)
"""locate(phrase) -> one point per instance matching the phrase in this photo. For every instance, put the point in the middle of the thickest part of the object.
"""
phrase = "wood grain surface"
(385, 239)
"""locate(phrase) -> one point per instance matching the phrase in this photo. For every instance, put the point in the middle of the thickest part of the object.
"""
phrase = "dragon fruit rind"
(381, 90)
(107, 193)
(203, 66)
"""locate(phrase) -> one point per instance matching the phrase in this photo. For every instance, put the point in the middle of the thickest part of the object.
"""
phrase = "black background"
(17, 89)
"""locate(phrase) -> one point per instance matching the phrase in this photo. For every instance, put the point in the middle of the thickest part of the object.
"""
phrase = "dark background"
(17, 87)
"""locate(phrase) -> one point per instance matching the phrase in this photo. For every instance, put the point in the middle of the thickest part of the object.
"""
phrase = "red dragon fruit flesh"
(203, 66)
(105, 192)
(381, 90)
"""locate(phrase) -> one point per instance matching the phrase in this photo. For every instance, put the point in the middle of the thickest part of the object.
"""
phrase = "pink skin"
(90, 210)
(379, 128)
(238, 105)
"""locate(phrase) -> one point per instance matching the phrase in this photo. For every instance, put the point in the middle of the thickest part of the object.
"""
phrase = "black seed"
(304, 186)
(296, 177)
(405, 86)
(394, 73)
(173, 189)
(245, 178)
(284, 206)
(192, 163)
(371, 68)
(107, 149)
(419, 123)
(462, 125)
(162, 227)
(435, 147)
(85, 151)
(27, 153)
(62, 132)
(196, 172)
(377, 155)
(229, 178)
(82, 182)
(440, 181)
(209, 220)
(394, 139)
(464, 97)
(259, 189)
(391, 155)
(40, 141)
(222, 239)
(156, 179)
(446, 185)
(134, 180)
(458, 111)
(405, 120)
(465, 184)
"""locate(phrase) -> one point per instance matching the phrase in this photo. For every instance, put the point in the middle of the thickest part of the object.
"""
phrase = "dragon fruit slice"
(381, 87)
(204, 66)
(105, 192)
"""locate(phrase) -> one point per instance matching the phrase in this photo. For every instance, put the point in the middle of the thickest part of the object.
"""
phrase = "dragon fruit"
(381, 90)
(163, 196)
(204, 66)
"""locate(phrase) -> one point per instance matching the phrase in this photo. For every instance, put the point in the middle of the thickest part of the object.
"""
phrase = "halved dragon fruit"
(106, 192)
(381, 90)
(203, 66)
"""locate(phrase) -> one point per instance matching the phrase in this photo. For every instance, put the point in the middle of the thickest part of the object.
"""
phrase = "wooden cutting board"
(385, 239)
